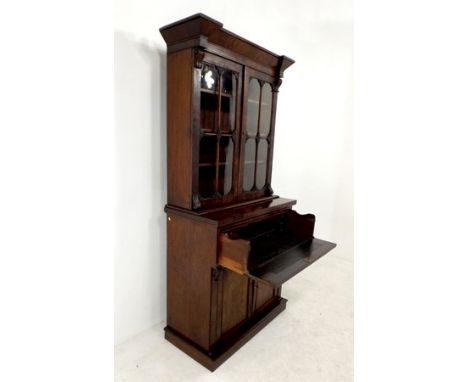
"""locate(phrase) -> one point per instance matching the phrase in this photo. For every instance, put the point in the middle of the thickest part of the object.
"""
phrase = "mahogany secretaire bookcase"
(231, 243)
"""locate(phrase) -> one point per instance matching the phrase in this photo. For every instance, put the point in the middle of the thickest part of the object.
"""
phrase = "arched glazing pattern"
(218, 95)
(257, 132)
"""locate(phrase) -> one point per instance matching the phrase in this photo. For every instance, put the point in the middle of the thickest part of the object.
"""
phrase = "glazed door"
(256, 147)
(217, 94)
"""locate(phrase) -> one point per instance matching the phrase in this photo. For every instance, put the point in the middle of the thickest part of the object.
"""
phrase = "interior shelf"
(214, 164)
(223, 94)
(211, 133)
(274, 250)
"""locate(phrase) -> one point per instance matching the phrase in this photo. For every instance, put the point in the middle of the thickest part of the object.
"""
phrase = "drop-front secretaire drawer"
(273, 250)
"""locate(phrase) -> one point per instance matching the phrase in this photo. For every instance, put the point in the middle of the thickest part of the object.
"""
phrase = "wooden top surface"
(200, 25)
(236, 214)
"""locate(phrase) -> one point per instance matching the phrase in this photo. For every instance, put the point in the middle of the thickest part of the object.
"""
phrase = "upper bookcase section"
(202, 31)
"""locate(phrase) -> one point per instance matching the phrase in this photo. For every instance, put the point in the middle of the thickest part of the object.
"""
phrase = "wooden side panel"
(302, 224)
(233, 254)
(191, 254)
(179, 125)
(235, 298)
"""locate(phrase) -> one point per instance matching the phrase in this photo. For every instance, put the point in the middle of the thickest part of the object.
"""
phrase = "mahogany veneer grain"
(231, 243)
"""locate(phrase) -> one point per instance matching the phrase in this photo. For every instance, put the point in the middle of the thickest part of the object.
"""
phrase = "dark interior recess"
(280, 247)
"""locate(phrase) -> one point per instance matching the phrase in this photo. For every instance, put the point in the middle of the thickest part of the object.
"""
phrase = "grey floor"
(312, 340)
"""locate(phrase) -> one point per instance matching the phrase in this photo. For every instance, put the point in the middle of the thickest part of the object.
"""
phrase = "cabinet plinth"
(231, 242)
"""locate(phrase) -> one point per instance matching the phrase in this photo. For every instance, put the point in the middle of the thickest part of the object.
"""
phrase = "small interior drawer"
(273, 250)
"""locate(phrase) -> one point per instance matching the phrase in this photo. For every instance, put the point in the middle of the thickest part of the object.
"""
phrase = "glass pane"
(207, 167)
(262, 156)
(208, 108)
(208, 98)
(207, 180)
(232, 100)
(249, 164)
(265, 111)
(209, 78)
(253, 99)
(228, 102)
(228, 85)
(226, 152)
(208, 151)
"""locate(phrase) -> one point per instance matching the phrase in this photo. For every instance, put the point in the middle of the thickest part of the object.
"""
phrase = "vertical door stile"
(195, 128)
(218, 130)
(237, 132)
(257, 135)
(271, 136)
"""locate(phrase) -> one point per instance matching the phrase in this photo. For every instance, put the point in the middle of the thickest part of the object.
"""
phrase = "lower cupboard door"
(263, 295)
(235, 298)
(235, 291)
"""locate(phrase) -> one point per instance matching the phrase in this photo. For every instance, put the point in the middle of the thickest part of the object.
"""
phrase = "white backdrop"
(313, 145)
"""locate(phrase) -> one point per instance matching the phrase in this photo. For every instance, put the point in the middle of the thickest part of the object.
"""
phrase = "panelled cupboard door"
(217, 94)
(256, 141)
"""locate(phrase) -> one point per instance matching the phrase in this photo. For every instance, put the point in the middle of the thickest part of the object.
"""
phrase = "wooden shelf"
(214, 164)
(214, 92)
(210, 133)
(208, 91)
